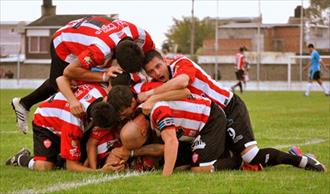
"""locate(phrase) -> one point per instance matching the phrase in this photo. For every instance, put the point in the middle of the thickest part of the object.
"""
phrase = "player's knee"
(249, 153)
(209, 168)
(43, 165)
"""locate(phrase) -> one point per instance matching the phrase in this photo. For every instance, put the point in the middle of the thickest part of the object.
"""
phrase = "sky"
(155, 16)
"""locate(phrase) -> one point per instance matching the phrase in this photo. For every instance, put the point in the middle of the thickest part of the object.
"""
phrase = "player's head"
(129, 55)
(122, 99)
(121, 79)
(104, 115)
(135, 132)
(156, 67)
(310, 47)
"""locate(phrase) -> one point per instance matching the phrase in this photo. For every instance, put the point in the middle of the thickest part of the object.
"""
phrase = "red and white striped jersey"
(107, 140)
(93, 39)
(54, 114)
(200, 82)
(189, 115)
(240, 61)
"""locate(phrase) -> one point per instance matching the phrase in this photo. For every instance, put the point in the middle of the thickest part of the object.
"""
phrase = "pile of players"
(113, 103)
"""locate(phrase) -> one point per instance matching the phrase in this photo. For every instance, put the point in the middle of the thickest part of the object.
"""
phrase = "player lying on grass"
(187, 119)
(56, 131)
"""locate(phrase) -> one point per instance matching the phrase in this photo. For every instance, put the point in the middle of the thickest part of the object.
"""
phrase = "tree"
(319, 12)
(180, 34)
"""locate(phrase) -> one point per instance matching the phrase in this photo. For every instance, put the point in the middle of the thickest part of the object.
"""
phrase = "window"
(278, 45)
(38, 44)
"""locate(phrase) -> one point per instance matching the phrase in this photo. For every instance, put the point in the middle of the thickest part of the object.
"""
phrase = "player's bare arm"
(166, 96)
(92, 152)
(179, 82)
(64, 85)
(171, 145)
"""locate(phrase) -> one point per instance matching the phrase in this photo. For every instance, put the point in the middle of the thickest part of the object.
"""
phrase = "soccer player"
(56, 131)
(314, 73)
(85, 43)
(240, 68)
(184, 73)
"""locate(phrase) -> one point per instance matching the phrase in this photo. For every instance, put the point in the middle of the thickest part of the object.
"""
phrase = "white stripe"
(311, 142)
(76, 184)
(250, 143)
(207, 163)
(92, 93)
(137, 87)
(142, 36)
(185, 106)
(83, 39)
(102, 148)
(86, 24)
(115, 38)
(127, 31)
(188, 123)
(59, 113)
(70, 58)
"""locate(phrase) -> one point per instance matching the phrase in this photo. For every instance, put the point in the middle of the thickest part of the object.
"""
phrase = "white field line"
(96, 180)
(310, 142)
(76, 184)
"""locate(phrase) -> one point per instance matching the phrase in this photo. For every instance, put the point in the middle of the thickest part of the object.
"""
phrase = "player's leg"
(243, 142)
(309, 83)
(48, 88)
(317, 77)
(209, 146)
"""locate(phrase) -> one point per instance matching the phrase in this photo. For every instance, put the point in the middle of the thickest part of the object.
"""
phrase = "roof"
(255, 25)
(57, 20)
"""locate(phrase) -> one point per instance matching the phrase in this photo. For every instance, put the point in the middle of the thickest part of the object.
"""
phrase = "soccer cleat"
(314, 165)
(294, 150)
(21, 115)
(13, 161)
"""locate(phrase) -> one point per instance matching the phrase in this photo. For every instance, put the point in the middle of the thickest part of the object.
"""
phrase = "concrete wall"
(28, 71)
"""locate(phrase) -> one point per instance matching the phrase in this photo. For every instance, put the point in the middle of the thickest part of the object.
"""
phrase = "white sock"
(325, 89)
(308, 88)
(303, 162)
(31, 163)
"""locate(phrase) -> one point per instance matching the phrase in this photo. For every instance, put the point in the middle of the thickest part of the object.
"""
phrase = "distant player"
(82, 44)
(314, 72)
(240, 69)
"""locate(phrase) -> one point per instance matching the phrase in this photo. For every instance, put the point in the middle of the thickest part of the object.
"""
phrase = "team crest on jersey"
(73, 143)
(195, 157)
(47, 143)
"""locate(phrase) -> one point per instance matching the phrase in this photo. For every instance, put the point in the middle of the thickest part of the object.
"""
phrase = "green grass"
(278, 118)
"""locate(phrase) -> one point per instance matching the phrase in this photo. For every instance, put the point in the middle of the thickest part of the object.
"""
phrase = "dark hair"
(310, 46)
(242, 49)
(120, 97)
(150, 55)
(103, 115)
(129, 56)
(121, 79)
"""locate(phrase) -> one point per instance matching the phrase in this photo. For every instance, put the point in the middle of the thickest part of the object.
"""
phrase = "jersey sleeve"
(91, 57)
(145, 86)
(184, 66)
(148, 43)
(70, 143)
(99, 133)
(161, 116)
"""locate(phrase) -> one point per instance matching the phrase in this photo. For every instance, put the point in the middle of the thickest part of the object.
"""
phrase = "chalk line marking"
(310, 142)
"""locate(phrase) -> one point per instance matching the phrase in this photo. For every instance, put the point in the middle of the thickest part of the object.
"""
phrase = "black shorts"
(316, 75)
(46, 144)
(239, 129)
(239, 74)
(57, 66)
(209, 145)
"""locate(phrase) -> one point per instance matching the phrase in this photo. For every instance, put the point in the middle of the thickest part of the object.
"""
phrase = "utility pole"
(192, 35)
(216, 46)
(301, 38)
(258, 43)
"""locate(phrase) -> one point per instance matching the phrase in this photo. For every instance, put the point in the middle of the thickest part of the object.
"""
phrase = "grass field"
(280, 119)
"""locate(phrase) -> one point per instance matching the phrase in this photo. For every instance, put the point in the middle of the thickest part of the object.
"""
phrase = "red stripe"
(180, 114)
(43, 158)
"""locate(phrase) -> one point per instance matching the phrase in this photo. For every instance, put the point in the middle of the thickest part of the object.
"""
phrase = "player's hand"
(108, 167)
(143, 96)
(147, 107)
(121, 153)
(76, 108)
(113, 71)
